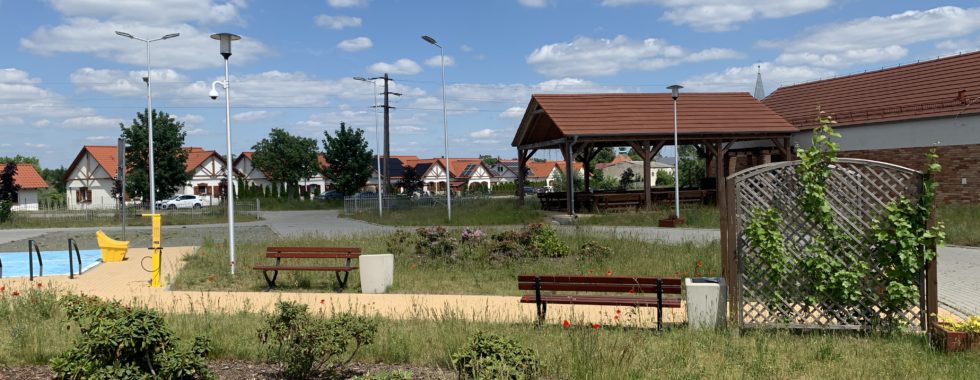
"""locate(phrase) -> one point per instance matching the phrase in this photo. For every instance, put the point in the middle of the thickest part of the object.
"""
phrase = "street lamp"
(149, 111)
(445, 126)
(674, 93)
(377, 141)
(225, 49)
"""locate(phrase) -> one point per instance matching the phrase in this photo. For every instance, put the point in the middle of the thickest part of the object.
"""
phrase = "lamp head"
(171, 35)
(675, 90)
(430, 40)
(124, 34)
(362, 79)
(225, 42)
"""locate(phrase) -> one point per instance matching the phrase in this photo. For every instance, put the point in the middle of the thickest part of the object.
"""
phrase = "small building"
(615, 170)
(504, 171)
(251, 175)
(90, 178)
(207, 168)
(30, 182)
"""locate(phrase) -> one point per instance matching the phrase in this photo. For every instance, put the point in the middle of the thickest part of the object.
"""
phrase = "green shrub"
(545, 241)
(436, 242)
(119, 342)
(393, 375)
(302, 345)
(594, 251)
(489, 356)
(402, 242)
(535, 240)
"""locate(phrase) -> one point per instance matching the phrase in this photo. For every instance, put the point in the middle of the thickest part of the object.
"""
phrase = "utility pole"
(387, 107)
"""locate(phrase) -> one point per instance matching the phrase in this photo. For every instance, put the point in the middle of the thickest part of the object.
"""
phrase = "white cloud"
(251, 116)
(11, 120)
(742, 78)
(876, 39)
(196, 131)
(721, 15)
(100, 138)
(337, 22)
(466, 48)
(347, 3)
(21, 95)
(592, 57)
(355, 44)
(435, 61)
(192, 50)
(402, 66)
(152, 11)
(91, 122)
(36, 146)
(950, 47)
(534, 3)
(123, 83)
(513, 112)
(407, 129)
(189, 119)
(485, 133)
(42, 123)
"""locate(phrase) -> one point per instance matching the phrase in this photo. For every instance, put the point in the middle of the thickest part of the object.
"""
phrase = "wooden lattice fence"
(858, 191)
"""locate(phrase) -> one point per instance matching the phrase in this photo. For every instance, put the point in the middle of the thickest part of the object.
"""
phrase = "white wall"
(89, 174)
(26, 200)
(904, 134)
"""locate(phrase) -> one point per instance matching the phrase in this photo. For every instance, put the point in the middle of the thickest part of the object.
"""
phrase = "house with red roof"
(30, 182)
(896, 115)
(253, 176)
(207, 168)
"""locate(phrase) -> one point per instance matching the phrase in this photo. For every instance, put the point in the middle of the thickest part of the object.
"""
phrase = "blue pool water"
(15, 264)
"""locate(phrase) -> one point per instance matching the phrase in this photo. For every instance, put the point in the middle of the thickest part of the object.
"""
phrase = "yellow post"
(157, 251)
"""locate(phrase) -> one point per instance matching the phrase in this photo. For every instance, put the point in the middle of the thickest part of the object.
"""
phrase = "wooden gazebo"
(581, 124)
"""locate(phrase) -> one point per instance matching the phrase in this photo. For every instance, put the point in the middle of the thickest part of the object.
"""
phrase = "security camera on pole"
(225, 47)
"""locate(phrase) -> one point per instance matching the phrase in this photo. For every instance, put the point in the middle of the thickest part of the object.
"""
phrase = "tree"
(18, 159)
(664, 178)
(8, 190)
(349, 158)
(626, 178)
(170, 167)
(411, 180)
(286, 158)
(691, 165)
(488, 159)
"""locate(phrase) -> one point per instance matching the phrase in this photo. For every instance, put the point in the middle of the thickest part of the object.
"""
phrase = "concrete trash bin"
(377, 272)
(707, 301)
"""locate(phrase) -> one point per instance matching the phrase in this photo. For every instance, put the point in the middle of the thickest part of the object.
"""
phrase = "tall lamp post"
(149, 111)
(225, 49)
(445, 126)
(377, 140)
(674, 93)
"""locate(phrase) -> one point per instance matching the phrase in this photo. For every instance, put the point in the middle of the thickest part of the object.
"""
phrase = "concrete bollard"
(707, 301)
(377, 272)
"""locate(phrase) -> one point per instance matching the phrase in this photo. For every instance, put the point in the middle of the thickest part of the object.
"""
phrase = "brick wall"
(958, 161)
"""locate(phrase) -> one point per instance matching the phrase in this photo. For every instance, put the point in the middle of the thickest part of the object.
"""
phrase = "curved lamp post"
(445, 126)
(225, 49)
(377, 141)
(149, 112)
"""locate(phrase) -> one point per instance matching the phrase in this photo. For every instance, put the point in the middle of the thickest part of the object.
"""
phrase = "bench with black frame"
(297, 253)
(619, 291)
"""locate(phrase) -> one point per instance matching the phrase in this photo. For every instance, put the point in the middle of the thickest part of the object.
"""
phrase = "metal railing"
(78, 255)
(60, 215)
(33, 248)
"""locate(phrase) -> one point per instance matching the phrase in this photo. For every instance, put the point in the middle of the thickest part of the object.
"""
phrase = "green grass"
(962, 223)
(487, 212)
(695, 216)
(612, 352)
(207, 269)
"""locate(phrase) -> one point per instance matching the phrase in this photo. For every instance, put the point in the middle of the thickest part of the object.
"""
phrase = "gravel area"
(173, 236)
(244, 370)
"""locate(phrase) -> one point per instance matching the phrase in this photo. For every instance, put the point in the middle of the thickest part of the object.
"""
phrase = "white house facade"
(90, 178)
(30, 183)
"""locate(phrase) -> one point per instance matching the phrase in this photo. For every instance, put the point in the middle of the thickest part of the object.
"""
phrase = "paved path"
(324, 222)
(959, 279)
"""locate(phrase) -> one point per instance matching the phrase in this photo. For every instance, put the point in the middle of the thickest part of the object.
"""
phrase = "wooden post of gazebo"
(566, 152)
(647, 150)
(522, 158)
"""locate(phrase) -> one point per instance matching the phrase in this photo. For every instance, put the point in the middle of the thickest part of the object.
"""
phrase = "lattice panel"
(858, 192)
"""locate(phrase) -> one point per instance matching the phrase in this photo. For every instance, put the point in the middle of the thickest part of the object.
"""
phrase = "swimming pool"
(15, 264)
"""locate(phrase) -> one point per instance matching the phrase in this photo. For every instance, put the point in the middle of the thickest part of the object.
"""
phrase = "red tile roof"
(197, 156)
(28, 178)
(940, 87)
(105, 155)
(721, 113)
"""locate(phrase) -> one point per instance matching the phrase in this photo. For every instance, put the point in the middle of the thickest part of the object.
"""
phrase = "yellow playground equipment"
(112, 250)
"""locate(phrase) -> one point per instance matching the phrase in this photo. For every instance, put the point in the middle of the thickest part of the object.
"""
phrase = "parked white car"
(182, 201)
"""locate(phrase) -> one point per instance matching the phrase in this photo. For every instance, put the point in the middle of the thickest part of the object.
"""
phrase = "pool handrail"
(78, 255)
(33, 247)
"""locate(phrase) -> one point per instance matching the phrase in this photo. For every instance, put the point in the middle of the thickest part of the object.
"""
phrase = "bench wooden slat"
(600, 280)
(609, 288)
(603, 301)
(304, 268)
(314, 249)
(290, 255)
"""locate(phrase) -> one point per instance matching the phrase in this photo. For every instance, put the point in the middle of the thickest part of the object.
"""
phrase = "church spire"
(759, 91)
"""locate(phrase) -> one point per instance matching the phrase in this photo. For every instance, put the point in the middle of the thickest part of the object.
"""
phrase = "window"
(83, 195)
(202, 189)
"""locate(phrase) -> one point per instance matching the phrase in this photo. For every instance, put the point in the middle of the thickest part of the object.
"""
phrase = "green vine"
(829, 270)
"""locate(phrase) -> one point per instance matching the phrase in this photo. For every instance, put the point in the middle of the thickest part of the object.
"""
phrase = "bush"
(402, 242)
(302, 345)
(535, 240)
(545, 241)
(118, 342)
(393, 375)
(489, 356)
(593, 250)
(436, 242)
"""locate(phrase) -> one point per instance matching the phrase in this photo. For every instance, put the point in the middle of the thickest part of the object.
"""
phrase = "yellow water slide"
(112, 250)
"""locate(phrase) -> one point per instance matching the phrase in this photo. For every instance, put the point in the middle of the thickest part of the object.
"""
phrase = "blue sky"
(67, 80)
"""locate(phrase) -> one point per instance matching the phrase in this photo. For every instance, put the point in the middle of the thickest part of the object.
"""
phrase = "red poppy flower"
(323, 302)
(39, 284)
(618, 311)
(590, 270)
(595, 326)
(565, 324)
(616, 317)
(15, 293)
(2, 289)
(698, 265)
(609, 273)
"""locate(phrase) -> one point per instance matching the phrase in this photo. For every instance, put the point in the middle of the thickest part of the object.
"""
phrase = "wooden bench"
(621, 291)
(295, 253)
(617, 200)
